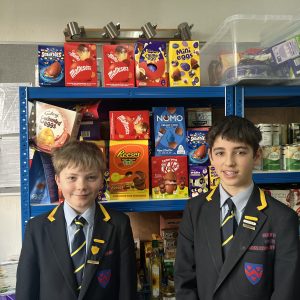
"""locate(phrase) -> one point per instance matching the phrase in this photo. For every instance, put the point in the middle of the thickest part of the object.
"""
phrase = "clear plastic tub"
(253, 49)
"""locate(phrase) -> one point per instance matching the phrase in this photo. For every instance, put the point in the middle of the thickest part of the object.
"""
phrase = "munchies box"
(129, 170)
(80, 64)
(169, 177)
(118, 65)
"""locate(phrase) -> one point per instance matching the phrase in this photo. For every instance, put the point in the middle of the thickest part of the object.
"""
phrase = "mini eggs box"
(151, 63)
(169, 131)
(51, 64)
(184, 63)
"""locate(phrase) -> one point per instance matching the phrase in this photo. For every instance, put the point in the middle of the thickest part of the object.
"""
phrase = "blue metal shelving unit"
(221, 97)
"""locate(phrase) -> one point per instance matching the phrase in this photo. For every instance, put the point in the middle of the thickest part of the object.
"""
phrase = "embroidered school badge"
(253, 272)
(104, 277)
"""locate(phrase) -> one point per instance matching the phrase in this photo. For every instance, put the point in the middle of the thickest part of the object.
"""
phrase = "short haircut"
(82, 154)
(236, 129)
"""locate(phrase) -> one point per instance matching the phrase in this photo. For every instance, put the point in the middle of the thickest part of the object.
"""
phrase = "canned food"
(292, 157)
(294, 133)
(271, 158)
(276, 134)
(266, 133)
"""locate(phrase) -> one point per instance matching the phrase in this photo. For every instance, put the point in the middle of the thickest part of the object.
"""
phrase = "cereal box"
(169, 177)
(151, 63)
(198, 180)
(129, 125)
(52, 126)
(81, 64)
(169, 131)
(197, 146)
(51, 63)
(129, 170)
(184, 63)
(118, 65)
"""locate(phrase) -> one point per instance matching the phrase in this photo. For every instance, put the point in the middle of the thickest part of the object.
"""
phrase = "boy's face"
(79, 187)
(234, 162)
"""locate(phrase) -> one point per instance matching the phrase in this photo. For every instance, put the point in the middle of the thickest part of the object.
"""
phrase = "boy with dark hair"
(80, 250)
(235, 242)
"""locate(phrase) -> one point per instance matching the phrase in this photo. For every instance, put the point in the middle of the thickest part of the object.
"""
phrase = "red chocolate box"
(80, 64)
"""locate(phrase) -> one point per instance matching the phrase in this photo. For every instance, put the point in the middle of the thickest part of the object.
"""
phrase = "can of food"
(292, 157)
(266, 133)
(294, 133)
(284, 134)
(271, 158)
(276, 134)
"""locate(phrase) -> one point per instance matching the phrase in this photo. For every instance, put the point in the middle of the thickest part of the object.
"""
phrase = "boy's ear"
(57, 180)
(210, 154)
(258, 156)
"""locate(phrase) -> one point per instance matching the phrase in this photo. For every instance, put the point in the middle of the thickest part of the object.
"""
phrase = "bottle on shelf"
(155, 272)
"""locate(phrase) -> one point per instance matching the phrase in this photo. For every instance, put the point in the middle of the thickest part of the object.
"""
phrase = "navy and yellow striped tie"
(79, 249)
(228, 227)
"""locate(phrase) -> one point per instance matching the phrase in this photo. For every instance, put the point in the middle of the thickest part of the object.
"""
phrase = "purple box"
(198, 180)
(169, 131)
(90, 130)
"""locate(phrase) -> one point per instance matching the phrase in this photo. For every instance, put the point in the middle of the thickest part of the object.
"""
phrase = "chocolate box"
(90, 130)
(52, 126)
(214, 178)
(184, 63)
(197, 146)
(199, 116)
(51, 62)
(118, 65)
(129, 170)
(151, 63)
(80, 64)
(169, 131)
(169, 177)
(198, 180)
(129, 125)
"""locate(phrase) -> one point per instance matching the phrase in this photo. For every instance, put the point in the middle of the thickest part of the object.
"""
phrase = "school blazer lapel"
(56, 231)
(245, 235)
(100, 240)
(211, 225)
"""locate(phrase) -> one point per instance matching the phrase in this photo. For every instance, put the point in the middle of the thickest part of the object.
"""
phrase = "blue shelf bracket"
(24, 155)
(239, 101)
(229, 101)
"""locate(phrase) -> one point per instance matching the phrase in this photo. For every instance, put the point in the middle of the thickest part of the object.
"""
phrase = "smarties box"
(169, 177)
(129, 170)
(118, 65)
(169, 131)
(151, 64)
(51, 65)
(184, 63)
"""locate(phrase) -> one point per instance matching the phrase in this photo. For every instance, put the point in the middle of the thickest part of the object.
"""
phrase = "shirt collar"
(70, 213)
(240, 200)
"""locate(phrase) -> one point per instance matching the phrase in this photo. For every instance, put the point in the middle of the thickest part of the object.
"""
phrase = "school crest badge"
(253, 272)
(104, 277)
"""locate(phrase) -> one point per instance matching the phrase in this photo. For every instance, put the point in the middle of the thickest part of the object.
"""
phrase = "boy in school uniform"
(235, 242)
(80, 250)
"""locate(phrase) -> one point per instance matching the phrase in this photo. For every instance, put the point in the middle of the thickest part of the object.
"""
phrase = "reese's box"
(80, 64)
(52, 126)
(169, 131)
(129, 170)
(118, 65)
(129, 125)
(169, 177)
(51, 63)
(151, 63)
(184, 63)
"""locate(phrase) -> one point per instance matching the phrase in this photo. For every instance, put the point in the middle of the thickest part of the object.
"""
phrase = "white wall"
(44, 21)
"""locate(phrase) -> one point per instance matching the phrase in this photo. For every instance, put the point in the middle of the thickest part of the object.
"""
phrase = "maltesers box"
(151, 63)
(80, 64)
(129, 125)
(51, 62)
(118, 65)
(198, 180)
(129, 170)
(169, 177)
(52, 126)
(169, 131)
(184, 63)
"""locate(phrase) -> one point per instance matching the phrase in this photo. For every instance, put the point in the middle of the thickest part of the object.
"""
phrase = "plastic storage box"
(253, 49)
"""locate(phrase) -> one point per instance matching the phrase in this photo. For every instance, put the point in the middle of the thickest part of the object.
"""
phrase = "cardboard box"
(198, 180)
(129, 170)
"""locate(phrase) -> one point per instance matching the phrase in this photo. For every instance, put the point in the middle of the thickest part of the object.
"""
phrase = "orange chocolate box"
(129, 170)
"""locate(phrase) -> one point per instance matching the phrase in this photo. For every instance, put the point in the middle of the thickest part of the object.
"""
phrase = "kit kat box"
(184, 63)
(151, 63)
(118, 64)
(51, 65)
(80, 64)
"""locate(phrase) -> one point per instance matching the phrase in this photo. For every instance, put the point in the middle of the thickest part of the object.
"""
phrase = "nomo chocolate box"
(184, 63)
(118, 65)
(80, 64)
(169, 131)
(51, 62)
(169, 177)
(151, 63)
